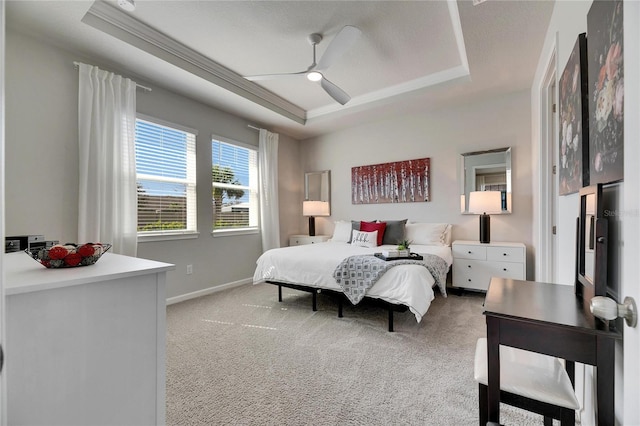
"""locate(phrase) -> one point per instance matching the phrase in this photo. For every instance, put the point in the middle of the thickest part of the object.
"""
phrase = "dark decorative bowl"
(69, 255)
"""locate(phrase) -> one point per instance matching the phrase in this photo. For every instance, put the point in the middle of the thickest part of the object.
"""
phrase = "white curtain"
(107, 191)
(268, 180)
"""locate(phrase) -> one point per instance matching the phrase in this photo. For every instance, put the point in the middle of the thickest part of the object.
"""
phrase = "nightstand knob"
(468, 266)
(504, 254)
(469, 252)
(469, 280)
(504, 269)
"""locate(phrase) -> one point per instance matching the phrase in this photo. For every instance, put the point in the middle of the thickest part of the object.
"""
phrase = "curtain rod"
(145, 88)
(253, 127)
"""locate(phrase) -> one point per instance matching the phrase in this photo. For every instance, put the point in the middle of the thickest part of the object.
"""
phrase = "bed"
(311, 268)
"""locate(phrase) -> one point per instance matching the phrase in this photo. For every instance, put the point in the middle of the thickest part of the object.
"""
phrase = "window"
(234, 179)
(166, 178)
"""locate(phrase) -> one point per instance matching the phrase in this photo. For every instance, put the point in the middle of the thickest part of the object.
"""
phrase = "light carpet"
(240, 357)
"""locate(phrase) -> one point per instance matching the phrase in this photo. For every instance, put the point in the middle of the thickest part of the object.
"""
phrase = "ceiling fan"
(339, 45)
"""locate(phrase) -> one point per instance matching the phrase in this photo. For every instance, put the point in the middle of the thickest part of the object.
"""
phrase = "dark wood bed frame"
(340, 298)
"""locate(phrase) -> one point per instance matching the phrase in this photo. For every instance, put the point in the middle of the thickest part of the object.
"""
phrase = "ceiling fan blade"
(335, 92)
(339, 45)
(275, 76)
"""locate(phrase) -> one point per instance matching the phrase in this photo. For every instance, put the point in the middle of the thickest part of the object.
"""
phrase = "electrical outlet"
(189, 269)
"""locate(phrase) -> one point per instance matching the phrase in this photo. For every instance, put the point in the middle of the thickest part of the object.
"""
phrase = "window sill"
(234, 232)
(152, 238)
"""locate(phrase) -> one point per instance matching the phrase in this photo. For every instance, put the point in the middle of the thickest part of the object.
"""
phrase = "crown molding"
(390, 94)
(122, 26)
(117, 23)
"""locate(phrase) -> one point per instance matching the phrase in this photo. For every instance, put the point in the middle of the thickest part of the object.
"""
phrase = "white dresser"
(300, 240)
(85, 346)
(474, 263)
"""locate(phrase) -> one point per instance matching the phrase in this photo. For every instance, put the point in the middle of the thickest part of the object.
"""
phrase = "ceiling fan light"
(314, 76)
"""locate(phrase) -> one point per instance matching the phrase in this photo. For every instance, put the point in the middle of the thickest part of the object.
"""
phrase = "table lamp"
(485, 203)
(313, 209)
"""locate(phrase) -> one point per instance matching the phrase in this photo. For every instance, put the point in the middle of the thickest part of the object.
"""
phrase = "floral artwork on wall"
(398, 182)
(606, 91)
(574, 121)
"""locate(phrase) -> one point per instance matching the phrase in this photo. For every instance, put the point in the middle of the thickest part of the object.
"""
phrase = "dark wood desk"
(549, 319)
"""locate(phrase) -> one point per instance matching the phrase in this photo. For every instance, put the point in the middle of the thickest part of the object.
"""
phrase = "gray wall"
(441, 135)
(42, 165)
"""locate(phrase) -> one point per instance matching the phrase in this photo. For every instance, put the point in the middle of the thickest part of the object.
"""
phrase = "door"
(3, 411)
(553, 211)
(547, 206)
(630, 285)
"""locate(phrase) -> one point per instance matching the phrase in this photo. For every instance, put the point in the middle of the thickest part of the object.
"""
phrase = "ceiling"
(412, 55)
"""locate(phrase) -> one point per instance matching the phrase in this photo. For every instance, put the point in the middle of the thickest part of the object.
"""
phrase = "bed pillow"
(341, 231)
(364, 239)
(433, 234)
(447, 235)
(394, 233)
(374, 226)
(355, 225)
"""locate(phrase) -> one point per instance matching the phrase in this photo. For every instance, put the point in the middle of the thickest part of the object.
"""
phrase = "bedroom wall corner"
(41, 166)
(569, 18)
(42, 162)
(290, 186)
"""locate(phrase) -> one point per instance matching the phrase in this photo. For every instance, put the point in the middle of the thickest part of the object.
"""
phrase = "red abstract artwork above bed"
(397, 182)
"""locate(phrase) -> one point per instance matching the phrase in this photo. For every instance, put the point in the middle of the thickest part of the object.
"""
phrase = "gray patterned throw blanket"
(357, 274)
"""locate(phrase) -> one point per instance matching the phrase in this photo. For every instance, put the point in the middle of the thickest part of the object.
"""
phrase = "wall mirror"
(317, 186)
(592, 234)
(485, 171)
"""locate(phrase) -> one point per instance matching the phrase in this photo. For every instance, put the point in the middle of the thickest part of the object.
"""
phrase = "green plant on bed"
(404, 244)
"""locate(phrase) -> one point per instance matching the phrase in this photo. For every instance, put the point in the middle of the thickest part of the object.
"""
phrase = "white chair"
(530, 381)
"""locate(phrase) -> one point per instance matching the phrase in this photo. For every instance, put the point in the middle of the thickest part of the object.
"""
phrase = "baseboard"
(206, 291)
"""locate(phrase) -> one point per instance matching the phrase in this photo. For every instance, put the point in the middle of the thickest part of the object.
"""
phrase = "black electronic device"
(26, 242)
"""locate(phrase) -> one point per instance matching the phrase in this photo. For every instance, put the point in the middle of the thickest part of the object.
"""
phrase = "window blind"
(234, 185)
(166, 178)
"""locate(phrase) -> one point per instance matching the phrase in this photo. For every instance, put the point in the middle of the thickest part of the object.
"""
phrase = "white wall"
(568, 20)
(41, 141)
(42, 165)
(441, 135)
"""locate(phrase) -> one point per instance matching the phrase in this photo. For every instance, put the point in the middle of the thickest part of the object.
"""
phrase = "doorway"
(546, 269)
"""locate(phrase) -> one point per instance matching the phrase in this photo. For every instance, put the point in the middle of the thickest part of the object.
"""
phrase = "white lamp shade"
(485, 202)
(315, 208)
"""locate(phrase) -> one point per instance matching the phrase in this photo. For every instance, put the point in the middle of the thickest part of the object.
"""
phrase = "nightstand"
(300, 240)
(474, 263)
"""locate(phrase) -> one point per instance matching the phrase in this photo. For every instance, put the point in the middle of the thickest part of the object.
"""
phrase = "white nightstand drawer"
(470, 274)
(462, 251)
(505, 254)
(300, 240)
(512, 270)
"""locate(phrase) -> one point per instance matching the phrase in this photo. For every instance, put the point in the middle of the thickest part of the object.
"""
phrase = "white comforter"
(313, 265)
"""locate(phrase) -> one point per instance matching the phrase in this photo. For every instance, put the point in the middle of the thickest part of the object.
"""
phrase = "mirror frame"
(473, 160)
(317, 186)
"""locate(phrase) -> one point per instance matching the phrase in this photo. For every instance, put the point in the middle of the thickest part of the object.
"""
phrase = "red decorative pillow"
(374, 226)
